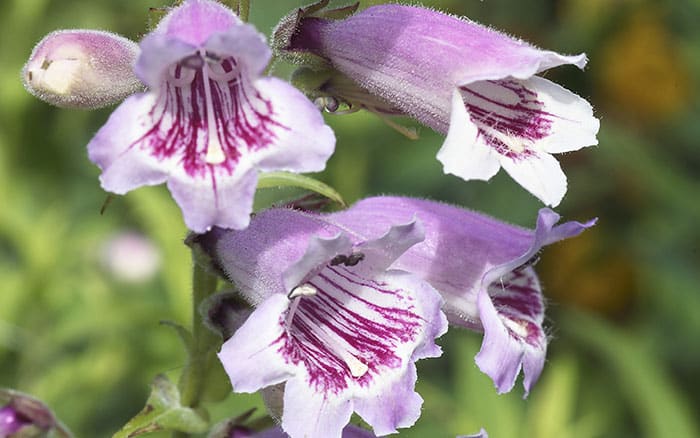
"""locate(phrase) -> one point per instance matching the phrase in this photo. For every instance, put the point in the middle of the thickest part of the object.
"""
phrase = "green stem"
(192, 383)
(204, 342)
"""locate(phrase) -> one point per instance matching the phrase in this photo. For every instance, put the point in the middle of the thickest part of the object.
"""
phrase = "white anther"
(304, 290)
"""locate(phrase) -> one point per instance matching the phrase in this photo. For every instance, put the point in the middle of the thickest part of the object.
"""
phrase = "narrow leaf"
(288, 179)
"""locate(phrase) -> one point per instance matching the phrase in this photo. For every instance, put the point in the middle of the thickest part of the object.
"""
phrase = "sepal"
(284, 31)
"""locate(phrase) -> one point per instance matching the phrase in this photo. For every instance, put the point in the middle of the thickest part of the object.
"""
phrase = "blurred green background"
(624, 304)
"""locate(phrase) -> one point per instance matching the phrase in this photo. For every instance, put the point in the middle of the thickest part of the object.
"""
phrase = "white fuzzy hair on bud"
(83, 69)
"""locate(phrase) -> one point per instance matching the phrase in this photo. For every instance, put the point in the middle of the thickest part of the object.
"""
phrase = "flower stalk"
(203, 342)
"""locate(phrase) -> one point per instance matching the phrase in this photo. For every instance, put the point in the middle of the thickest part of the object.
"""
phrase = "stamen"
(304, 290)
(215, 152)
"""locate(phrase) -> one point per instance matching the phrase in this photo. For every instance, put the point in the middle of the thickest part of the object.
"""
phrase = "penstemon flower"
(476, 85)
(482, 268)
(209, 122)
(331, 321)
(479, 265)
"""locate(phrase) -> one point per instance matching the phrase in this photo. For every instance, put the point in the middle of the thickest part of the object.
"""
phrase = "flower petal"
(382, 252)
(517, 123)
(303, 141)
(397, 406)
(540, 174)
(253, 345)
(512, 312)
(244, 42)
(317, 255)
(223, 198)
(158, 53)
(196, 20)
(573, 124)
(464, 153)
(125, 168)
(310, 416)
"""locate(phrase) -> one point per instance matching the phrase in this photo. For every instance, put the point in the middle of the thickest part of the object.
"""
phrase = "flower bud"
(84, 69)
(23, 416)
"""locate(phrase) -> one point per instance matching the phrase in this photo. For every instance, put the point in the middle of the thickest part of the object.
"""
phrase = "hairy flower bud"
(84, 69)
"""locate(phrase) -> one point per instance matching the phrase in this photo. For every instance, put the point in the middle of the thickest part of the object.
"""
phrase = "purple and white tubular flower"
(479, 265)
(482, 268)
(331, 321)
(209, 122)
(472, 83)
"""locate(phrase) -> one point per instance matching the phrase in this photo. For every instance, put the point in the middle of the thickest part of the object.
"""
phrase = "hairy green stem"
(203, 344)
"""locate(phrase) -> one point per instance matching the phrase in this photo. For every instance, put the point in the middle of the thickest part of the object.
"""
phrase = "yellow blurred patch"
(585, 273)
(641, 70)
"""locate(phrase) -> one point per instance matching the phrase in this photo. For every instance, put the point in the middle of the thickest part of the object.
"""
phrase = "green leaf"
(163, 411)
(288, 179)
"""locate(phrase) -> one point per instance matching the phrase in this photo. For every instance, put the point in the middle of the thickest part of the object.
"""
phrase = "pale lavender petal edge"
(502, 356)
(253, 344)
(304, 141)
(196, 20)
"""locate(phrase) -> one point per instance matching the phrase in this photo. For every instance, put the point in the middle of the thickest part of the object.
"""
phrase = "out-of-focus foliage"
(623, 298)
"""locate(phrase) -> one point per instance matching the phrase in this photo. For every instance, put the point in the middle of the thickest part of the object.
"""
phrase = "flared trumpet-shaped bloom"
(475, 84)
(480, 266)
(209, 121)
(330, 321)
